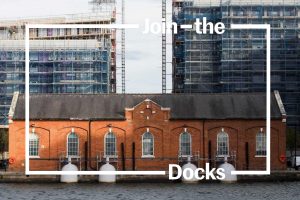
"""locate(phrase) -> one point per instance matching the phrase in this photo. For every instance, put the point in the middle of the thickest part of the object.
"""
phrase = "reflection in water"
(255, 191)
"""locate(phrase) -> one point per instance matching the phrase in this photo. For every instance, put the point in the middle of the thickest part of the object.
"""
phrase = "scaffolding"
(235, 61)
(64, 60)
(196, 57)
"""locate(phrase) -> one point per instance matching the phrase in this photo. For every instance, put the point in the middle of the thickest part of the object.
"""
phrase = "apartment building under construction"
(62, 60)
(236, 60)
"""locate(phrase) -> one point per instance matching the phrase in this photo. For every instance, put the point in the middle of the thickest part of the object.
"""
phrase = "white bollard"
(228, 168)
(189, 169)
(69, 178)
(109, 178)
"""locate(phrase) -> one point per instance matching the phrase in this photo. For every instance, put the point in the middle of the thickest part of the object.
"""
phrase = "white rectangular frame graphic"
(135, 26)
(27, 127)
(266, 27)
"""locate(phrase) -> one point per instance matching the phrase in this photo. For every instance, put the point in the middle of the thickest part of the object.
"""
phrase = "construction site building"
(236, 60)
(63, 60)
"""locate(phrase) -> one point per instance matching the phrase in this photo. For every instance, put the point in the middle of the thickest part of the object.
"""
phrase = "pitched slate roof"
(112, 106)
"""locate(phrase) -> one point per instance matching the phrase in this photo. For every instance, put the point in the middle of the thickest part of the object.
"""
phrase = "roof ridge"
(159, 94)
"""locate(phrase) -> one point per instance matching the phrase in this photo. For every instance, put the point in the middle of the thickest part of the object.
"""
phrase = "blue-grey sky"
(143, 51)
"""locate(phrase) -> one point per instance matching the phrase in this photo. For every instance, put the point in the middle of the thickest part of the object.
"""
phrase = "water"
(144, 191)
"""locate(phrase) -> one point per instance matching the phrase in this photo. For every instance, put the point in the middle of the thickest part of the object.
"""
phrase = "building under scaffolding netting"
(64, 60)
(236, 60)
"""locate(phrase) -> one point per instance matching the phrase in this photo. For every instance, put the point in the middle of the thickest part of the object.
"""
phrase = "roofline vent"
(280, 105)
(13, 106)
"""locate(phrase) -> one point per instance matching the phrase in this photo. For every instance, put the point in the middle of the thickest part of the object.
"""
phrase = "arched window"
(73, 145)
(223, 144)
(110, 144)
(148, 143)
(185, 142)
(260, 144)
(33, 144)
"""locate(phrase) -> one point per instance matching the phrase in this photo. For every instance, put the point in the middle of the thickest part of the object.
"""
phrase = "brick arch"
(150, 127)
(264, 126)
(220, 127)
(196, 135)
(21, 133)
(259, 162)
(60, 141)
(15, 147)
(97, 139)
(106, 127)
(36, 127)
(44, 135)
(185, 126)
(232, 136)
(158, 140)
(23, 128)
(70, 127)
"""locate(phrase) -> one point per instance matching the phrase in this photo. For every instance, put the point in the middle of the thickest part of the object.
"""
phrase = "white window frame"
(116, 152)
(33, 134)
(78, 152)
(227, 144)
(190, 136)
(260, 135)
(148, 156)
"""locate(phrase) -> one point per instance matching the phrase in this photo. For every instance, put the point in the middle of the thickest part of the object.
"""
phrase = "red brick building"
(146, 132)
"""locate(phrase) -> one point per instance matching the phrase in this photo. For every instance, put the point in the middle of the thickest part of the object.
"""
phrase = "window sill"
(223, 156)
(108, 156)
(148, 157)
(75, 157)
(34, 157)
(260, 156)
(185, 156)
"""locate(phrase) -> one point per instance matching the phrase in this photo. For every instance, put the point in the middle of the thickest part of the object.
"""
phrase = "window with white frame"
(222, 144)
(260, 144)
(148, 144)
(73, 145)
(185, 141)
(110, 144)
(33, 145)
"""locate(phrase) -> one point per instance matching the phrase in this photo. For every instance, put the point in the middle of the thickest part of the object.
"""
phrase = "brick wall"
(166, 132)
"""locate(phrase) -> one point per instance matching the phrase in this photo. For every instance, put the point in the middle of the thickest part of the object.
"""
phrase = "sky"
(143, 51)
